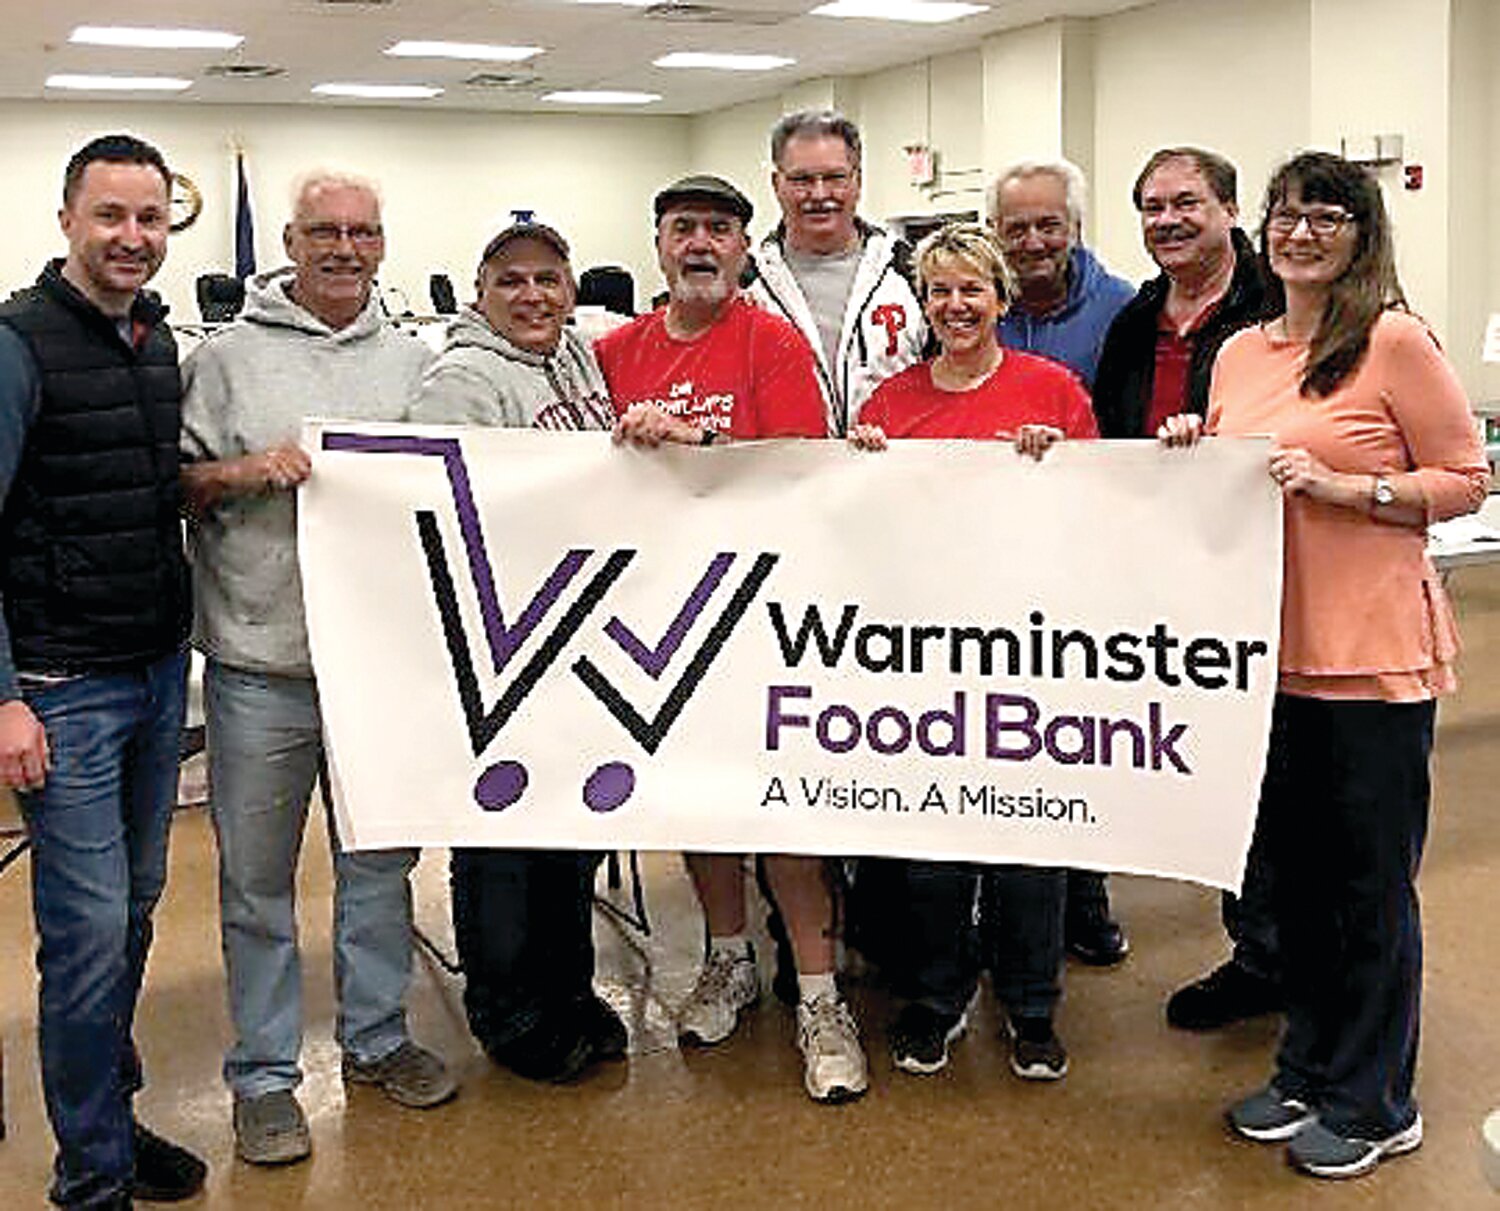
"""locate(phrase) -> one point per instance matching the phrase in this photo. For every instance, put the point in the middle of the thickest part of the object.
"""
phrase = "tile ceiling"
(587, 46)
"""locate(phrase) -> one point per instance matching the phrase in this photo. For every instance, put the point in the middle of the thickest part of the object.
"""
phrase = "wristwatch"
(1384, 494)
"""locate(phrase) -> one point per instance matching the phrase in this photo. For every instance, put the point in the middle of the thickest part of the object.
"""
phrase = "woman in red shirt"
(974, 388)
(1373, 440)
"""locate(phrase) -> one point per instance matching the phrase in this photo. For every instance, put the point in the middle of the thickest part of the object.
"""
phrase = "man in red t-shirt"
(709, 366)
(709, 359)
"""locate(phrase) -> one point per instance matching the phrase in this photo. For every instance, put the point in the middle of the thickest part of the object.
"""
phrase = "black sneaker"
(602, 1026)
(164, 1172)
(1098, 941)
(557, 1049)
(920, 1037)
(1227, 994)
(1036, 1053)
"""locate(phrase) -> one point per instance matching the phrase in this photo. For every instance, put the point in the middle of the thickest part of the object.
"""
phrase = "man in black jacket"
(1158, 360)
(92, 650)
(1159, 353)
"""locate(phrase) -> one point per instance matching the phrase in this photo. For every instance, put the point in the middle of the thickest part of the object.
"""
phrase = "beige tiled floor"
(1135, 1125)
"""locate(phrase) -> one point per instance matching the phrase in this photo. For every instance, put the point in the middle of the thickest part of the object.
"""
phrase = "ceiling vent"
(504, 81)
(685, 12)
(244, 71)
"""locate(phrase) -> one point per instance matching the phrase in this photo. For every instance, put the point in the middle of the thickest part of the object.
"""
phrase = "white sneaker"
(834, 1062)
(727, 986)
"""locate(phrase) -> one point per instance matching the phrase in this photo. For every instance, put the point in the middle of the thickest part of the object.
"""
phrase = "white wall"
(449, 181)
(1229, 75)
(1354, 44)
(1023, 96)
(1473, 248)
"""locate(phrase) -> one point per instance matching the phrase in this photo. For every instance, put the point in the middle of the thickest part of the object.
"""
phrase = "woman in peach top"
(1373, 440)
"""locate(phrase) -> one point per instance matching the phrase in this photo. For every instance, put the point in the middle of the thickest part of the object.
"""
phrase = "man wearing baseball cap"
(711, 366)
(522, 919)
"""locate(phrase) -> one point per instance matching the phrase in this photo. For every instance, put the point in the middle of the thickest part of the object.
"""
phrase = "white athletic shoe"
(834, 1063)
(727, 986)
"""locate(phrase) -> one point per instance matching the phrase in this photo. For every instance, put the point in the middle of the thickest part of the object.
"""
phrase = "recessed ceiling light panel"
(379, 92)
(722, 62)
(921, 12)
(479, 52)
(154, 39)
(600, 97)
(167, 84)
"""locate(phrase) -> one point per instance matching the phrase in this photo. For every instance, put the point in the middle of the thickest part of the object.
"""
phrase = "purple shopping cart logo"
(503, 782)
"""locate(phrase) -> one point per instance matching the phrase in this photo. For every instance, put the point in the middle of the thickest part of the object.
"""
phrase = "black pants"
(1250, 917)
(1343, 817)
(933, 951)
(523, 922)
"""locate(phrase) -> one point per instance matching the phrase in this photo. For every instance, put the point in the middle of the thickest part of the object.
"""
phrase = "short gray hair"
(1075, 187)
(815, 123)
(330, 178)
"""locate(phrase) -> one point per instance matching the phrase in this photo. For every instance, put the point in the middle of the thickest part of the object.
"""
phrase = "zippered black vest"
(91, 562)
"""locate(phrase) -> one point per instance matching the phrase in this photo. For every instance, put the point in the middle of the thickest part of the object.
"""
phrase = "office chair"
(607, 286)
(440, 287)
(220, 297)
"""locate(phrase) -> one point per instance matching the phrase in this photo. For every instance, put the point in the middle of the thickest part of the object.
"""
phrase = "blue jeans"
(98, 831)
(265, 749)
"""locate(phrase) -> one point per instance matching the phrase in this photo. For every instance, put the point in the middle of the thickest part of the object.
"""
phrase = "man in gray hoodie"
(523, 918)
(311, 342)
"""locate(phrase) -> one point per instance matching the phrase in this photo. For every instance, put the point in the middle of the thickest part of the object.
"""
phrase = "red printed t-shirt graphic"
(750, 375)
(1025, 390)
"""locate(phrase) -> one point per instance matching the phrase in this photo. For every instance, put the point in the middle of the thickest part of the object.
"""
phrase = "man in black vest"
(92, 650)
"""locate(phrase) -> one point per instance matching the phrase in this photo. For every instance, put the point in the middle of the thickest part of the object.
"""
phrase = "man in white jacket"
(311, 342)
(845, 284)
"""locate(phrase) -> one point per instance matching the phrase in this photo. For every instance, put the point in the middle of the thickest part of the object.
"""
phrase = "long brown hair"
(1366, 288)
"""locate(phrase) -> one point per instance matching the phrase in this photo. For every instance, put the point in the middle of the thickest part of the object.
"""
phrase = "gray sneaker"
(271, 1129)
(1323, 1152)
(411, 1076)
(1269, 1116)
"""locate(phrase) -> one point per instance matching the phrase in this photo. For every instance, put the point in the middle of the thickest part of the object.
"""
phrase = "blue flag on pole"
(244, 224)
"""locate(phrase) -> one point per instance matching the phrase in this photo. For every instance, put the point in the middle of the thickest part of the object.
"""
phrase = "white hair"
(329, 178)
(1075, 187)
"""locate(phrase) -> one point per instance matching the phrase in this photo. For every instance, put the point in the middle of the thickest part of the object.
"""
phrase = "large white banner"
(945, 650)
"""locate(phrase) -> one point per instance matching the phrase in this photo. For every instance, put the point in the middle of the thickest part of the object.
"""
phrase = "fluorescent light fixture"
(379, 92)
(600, 96)
(718, 62)
(161, 84)
(479, 52)
(154, 39)
(922, 12)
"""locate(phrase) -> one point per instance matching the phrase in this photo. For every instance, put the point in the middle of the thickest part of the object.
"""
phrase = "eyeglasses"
(1323, 224)
(362, 234)
(803, 182)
